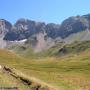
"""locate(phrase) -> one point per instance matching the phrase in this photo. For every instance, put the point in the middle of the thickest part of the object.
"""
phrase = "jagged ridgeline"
(40, 56)
(43, 36)
(25, 28)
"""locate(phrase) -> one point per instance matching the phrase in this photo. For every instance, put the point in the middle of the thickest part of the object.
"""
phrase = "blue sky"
(43, 10)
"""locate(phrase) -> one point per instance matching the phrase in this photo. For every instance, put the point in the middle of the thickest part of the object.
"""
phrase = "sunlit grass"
(71, 72)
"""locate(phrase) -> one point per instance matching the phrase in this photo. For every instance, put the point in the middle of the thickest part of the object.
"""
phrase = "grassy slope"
(27, 52)
(9, 59)
(81, 36)
(75, 47)
(71, 72)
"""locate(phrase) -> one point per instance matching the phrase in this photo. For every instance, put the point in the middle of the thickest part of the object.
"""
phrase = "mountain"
(75, 47)
(49, 34)
(62, 61)
(25, 28)
(71, 72)
(5, 27)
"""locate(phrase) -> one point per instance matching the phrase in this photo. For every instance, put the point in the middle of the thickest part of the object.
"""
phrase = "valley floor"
(71, 72)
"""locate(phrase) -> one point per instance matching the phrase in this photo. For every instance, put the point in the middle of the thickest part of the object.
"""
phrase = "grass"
(8, 81)
(26, 51)
(58, 50)
(75, 47)
(70, 72)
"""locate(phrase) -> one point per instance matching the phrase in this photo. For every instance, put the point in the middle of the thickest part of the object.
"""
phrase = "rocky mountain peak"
(5, 26)
(24, 28)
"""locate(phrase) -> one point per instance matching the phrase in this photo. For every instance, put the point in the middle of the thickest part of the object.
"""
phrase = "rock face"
(43, 36)
(73, 25)
(5, 27)
(25, 29)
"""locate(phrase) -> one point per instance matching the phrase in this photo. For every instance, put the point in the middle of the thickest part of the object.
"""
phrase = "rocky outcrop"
(30, 82)
(25, 28)
(5, 27)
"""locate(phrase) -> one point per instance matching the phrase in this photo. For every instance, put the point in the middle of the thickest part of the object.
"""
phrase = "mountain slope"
(19, 79)
(70, 72)
(24, 28)
(75, 47)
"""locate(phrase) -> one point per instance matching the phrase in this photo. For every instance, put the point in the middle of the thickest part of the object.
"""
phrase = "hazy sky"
(43, 10)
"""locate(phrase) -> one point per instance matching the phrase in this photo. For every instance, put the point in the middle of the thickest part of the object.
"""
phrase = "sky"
(49, 11)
